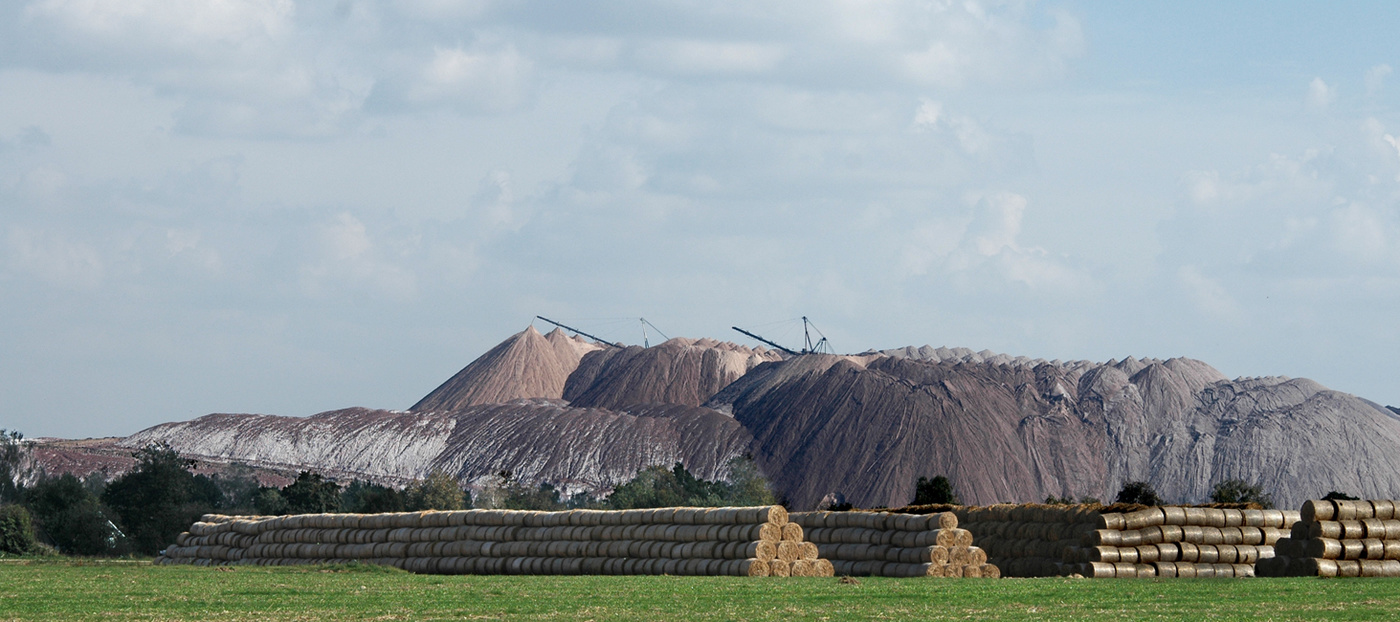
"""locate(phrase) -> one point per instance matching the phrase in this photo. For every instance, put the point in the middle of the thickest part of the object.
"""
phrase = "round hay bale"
(1353, 549)
(1195, 516)
(1392, 549)
(1168, 551)
(1207, 553)
(792, 532)
(1373, 548)
(779, 568)
(1348, 568)
(1346, 510)
(1231, 535)
(947, 520)
(1253, 518)
(1147, 553)
(1124, 570)
(1323, 548)
(1389, 568)
(1100, 570)
(1383, 509)
(1233, 517)
(1316, 510)
(1352, 530)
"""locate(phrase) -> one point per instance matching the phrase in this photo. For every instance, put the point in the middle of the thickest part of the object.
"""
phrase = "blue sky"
(283, 207)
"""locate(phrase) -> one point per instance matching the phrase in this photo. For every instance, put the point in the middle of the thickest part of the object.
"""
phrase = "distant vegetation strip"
(76, 590)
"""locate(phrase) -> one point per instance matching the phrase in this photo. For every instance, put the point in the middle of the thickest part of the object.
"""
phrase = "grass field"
(115, 590)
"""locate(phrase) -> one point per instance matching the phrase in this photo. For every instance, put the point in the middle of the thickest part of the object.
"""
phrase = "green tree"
(362, 497)
(16, 530)
(938, 490)
(656, 486)
(746, 485)
(1240, 491)
(1339, 496)
(14, 453)
(1139, 492)
(160, 497)
(270, 502)
(72, 518)
(311, 494)
(438, 491)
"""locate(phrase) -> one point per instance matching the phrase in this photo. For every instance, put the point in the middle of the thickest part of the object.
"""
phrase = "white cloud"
(53, 258)
(986, 242)
(495, 81)
(1375, 79)
(346, 258)
(1209, 295)
(1320, 95)
(691, 57)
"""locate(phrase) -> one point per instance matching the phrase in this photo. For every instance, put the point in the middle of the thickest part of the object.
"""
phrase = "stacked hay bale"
(756, 541)
(887, 544)
(1124, 541)
(1339, 538)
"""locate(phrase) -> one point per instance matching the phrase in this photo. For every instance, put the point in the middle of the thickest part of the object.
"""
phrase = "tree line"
(141, 512)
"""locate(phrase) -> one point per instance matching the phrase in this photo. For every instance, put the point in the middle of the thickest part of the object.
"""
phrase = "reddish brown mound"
(524, 366)
(679, 371)
(868, 428)
(826, 424)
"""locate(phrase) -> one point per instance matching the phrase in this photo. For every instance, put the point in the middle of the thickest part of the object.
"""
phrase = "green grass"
(46, 589)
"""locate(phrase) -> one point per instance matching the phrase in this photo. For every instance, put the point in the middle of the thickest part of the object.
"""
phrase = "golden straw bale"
(779, 568)
(792, 532)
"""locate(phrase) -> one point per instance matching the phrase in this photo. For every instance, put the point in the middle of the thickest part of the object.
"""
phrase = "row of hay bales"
(1092, 540)
(1340, 538)
(757, 541)
(887, 544)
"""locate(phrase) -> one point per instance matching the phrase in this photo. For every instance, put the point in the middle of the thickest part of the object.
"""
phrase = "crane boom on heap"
(577, 331)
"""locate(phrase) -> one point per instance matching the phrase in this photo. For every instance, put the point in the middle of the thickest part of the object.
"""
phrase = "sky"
(287, 207)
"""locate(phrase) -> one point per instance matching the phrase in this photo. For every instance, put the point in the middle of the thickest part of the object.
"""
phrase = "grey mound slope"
(577, 449)
(678, 371)
(1008, 432)
(526, 365)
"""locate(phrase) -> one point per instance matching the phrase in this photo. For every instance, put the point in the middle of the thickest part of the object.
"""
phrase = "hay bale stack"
(1120, 541)
(890, 544)
(1339, 538)
(757, 541)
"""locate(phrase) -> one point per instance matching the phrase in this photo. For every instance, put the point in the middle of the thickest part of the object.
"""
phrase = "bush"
(16, 530)
(362, 497)
(1239, 491)
(270, 502)
(1139, 492)
(937, 490)
(656, 486)
(160, 497)
(439, 491)
(72, 519)
(14, 453)
(1339, 496)
(311, 494)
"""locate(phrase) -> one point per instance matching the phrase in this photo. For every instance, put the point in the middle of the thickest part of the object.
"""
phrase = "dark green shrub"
(439, 491)
(13, 456)
(1139, 492)
(16, 530)
(270, 502)
(72, 519)
(362, 497)
(937, 490)
(1339, 496)
(311, 494)
(1240, 491)
(160, 498)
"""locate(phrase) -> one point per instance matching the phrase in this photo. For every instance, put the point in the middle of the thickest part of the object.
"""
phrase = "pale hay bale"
(800, 568)
(792, 532)
(1127, 555)
(779, 568)
(1353, 549)
(947, 520)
